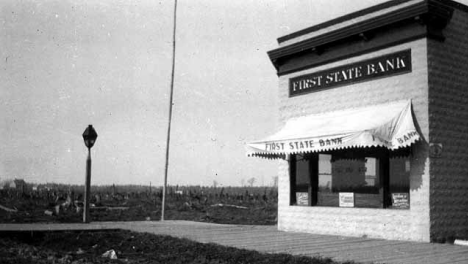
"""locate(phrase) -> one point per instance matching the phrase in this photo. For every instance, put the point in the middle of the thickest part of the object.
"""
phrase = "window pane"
(399, 182)
(357, 179)
(325, 195)
(301, 190)
(302, 174)
(368, 194)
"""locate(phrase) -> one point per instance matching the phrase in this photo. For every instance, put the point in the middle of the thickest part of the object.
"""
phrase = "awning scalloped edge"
(282, 155)
(389, 125)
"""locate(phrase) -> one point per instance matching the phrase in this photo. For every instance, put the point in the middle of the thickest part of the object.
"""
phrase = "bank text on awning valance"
(387, 125)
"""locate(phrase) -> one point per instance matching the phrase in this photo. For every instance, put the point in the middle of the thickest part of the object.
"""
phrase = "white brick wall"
(412, 224)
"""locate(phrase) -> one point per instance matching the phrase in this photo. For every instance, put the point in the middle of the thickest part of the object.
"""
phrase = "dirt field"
(64, 204)
(233, 205)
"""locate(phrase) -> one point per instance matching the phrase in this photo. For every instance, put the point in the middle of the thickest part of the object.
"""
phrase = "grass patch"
(130, 247)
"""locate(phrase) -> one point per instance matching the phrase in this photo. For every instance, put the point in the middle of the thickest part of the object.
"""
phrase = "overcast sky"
(67, 64)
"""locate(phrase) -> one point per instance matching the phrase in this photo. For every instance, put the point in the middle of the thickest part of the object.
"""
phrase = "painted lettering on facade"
(390, 64)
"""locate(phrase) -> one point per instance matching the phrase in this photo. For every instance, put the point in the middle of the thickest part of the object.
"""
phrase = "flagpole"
(170, 114)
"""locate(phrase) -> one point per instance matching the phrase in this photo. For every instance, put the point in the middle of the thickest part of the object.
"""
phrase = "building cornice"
(340, 19)
(431, 14)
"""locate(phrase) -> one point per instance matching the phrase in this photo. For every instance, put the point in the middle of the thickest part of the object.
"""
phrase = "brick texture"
(448, 108)
(412, 224)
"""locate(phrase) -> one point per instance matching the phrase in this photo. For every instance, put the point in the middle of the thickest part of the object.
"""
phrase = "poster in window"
(302, 198)
(346, 199)
(400, 200)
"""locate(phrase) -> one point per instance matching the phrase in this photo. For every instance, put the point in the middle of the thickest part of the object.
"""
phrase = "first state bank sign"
(383, 66)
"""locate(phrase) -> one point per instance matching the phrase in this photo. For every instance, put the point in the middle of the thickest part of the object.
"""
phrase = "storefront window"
(302, 181)
(366, 178)
(399, 182)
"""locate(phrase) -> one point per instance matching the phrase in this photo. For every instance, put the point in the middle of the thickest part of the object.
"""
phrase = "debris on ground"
(48, 212)
(229, 205)
(8, 209)
(461, 242)
(108, 208)
(117, 208)
(110, 254)
(57, 209)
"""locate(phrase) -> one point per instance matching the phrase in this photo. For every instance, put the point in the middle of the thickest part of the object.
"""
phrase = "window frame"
(382, 154)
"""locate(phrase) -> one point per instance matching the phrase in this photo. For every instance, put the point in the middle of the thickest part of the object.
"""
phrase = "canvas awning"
(387, 125)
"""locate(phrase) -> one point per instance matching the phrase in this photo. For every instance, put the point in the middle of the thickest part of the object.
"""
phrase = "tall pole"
(170, 113)
(87, 188)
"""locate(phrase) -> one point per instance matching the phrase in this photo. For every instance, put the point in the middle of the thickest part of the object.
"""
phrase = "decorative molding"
(431, 14)
(341, 19)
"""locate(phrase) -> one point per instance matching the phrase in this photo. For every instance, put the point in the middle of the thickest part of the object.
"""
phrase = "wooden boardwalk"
(269, 239)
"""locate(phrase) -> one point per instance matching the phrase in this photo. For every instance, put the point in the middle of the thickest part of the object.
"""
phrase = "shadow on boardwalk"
(269, 239)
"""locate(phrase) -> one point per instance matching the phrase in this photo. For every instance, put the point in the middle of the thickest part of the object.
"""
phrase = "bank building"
(372, 138)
